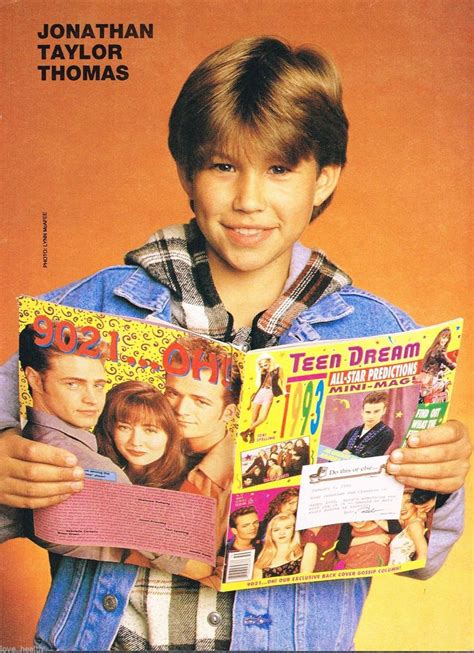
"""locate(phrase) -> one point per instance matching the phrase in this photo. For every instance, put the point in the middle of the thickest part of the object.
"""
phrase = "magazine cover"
(162, 405)
(311, 499)
(87, 177)
(272, 459)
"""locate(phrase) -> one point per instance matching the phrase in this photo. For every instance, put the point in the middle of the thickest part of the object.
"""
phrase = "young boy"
(259, 136)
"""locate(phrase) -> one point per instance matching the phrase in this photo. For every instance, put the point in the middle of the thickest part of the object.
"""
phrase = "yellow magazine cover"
(162, 406)
(317, 422)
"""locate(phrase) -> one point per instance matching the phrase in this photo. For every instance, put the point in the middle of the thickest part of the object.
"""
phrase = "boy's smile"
(252, 210)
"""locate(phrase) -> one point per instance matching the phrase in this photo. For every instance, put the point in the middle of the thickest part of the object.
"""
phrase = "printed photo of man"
(244, 523)
(203, 409)
(68, 393)
(372, 437)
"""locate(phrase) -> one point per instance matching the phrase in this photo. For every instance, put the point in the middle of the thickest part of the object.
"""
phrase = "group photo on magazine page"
(236, 353)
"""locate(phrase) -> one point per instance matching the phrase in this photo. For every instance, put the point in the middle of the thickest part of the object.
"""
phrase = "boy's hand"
(436, 459)
(35, 475)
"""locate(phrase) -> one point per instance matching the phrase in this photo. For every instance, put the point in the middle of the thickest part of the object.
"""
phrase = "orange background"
(93, 155)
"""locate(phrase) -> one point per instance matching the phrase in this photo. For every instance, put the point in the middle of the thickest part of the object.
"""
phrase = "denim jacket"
(87, 598)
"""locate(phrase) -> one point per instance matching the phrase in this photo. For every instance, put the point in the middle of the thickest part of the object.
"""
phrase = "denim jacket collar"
(143, 291)
(147, 293)
(332, 307)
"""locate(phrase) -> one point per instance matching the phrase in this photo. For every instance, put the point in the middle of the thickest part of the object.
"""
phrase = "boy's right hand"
(35, 475)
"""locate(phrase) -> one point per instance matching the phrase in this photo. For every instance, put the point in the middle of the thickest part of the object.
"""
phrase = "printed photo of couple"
(263, 542)
(275, 462)
(134, 433)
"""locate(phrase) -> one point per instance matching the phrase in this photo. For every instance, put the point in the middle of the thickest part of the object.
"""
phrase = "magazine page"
(150, 413)
(311, 497)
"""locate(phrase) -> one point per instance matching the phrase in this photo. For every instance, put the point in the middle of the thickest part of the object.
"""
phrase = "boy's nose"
(249, 193)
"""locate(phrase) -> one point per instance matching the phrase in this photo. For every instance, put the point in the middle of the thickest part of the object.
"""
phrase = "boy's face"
(252, 209)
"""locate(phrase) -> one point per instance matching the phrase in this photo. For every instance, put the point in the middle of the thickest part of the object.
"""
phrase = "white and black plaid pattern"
(167, 613)
(176, 256)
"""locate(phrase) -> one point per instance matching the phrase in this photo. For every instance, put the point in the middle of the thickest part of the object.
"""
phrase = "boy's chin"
(253, 262)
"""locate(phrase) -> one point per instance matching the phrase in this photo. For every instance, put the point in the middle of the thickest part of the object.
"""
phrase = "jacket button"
(110, 602)
(214, 618)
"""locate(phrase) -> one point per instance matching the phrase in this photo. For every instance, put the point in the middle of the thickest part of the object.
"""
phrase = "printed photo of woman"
(435, 363)
(410, 543)
(138, 431)
(270, 386)
(284, 501)
(282, 553)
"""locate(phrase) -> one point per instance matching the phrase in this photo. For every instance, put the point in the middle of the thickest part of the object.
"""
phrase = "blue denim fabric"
(87, 598)
(320, 616)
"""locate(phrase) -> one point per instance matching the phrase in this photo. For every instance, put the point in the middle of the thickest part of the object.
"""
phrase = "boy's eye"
(278, 170)
(223, 167)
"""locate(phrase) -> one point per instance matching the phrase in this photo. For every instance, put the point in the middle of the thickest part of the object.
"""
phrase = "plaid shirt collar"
(176, 257)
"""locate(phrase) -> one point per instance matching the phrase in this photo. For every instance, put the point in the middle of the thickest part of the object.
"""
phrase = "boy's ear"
(326, 183)
(34, 379)
(185, 182)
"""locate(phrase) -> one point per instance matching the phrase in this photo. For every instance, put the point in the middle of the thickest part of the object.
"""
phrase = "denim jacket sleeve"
(9, 407)
(11, 519)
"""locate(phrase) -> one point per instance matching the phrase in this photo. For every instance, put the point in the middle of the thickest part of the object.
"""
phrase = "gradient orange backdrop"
(93, 156)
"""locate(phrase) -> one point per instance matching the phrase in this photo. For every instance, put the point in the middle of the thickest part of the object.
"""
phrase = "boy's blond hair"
(285, 101)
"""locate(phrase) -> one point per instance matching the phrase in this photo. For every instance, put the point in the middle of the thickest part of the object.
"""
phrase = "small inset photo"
(366, 424)
(274, 462)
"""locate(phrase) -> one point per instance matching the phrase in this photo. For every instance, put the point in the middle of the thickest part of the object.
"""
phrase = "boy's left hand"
(436, 459)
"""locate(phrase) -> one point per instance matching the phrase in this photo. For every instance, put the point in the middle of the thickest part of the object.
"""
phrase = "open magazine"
(237, 469)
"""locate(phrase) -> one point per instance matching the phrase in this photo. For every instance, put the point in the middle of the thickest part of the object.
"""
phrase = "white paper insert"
(347, 491)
